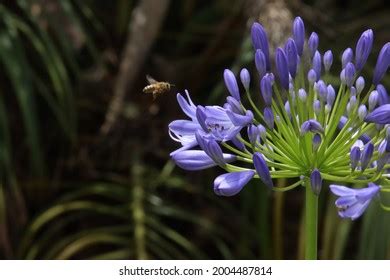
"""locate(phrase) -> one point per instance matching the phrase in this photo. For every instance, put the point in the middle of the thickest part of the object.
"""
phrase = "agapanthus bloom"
(307, 129)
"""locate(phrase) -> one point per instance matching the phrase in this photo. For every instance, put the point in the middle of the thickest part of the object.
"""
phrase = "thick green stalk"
(311, 223)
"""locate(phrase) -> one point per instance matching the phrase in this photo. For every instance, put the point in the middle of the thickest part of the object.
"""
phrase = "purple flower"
(210, 147)
(302, 95)
(231, 84)
(245, 78)
(282, 67)
(312, 76)
(232, 105)
(316, 142)
(313, 43)
(292, 57)
(382, 64)
(262, 132)
(269, 117)
(350, 72)
(380, 115)
(362, 112)
(317, 64)
(197, 160)
(363, 48)
(311, 125)
(224, 124)
(355, 157)
(316, 181)
(373, 100)
(299, 34)
(330, 96)
(183, 131)
(317, 107)
(346, 57)
(253, 134)
(266, 90)
(236, 142)
(328, 60)
(230, 184)
(260, 41)
(367, 155)
(359, 84)
(260, 62)
(262, 169)
(322, 90)
(383, 96)
(353, 202)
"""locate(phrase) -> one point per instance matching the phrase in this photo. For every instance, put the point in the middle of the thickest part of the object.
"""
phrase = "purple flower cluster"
(305, 130)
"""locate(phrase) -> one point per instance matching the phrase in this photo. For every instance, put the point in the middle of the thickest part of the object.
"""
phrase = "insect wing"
(151, 80)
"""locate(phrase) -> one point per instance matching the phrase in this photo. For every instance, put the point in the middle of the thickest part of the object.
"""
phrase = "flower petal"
(232, 183)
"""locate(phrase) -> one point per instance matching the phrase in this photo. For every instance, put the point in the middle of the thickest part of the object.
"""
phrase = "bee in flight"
(156, 88)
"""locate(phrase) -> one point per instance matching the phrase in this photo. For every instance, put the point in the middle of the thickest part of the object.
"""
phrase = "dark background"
(84, 153)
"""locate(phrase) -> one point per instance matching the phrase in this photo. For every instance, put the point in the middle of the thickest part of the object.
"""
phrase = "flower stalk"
(311, 222)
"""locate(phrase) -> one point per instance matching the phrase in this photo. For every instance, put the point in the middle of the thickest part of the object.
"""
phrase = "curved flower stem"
(311, 217)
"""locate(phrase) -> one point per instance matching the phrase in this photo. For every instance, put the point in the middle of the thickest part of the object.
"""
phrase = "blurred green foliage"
(68, 192)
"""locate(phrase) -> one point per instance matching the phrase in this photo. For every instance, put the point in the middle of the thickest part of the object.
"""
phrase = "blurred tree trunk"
(144, 24)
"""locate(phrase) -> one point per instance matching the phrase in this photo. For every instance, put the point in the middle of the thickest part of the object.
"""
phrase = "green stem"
(311, 217)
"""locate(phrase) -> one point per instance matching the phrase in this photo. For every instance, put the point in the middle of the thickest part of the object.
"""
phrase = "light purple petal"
(232, 183)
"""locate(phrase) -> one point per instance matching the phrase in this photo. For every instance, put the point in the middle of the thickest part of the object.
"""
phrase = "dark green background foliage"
(68, 191)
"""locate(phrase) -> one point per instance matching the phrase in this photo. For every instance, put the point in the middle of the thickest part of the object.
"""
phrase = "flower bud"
(312, 76)
(352, 91)
(342, 77)
(363, 48)
(253, 134)
(355, 157)
(245, 78)
(299, 34)
(313, 43)
(260, 41)
(383, 96)
(317, 107)
(317, 64)
(302, 95)
(380, 115)
(316, 142)
(367, 155)
(382, 64)
(382, 147)
(287, 108)
(373, 100)
(349, 74)
(360, 84)
(292, 57)
(312, 126)
(231, 183)
(316, 181)
(322, 90)
(331, 95)
(260, 62)
(362, 112)
(262, 169)
(266, 90)
(262, 132)
(282, 67)
(269, 117)
(234, 105)
(328, 60)
(231, 84)
(346, 57)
